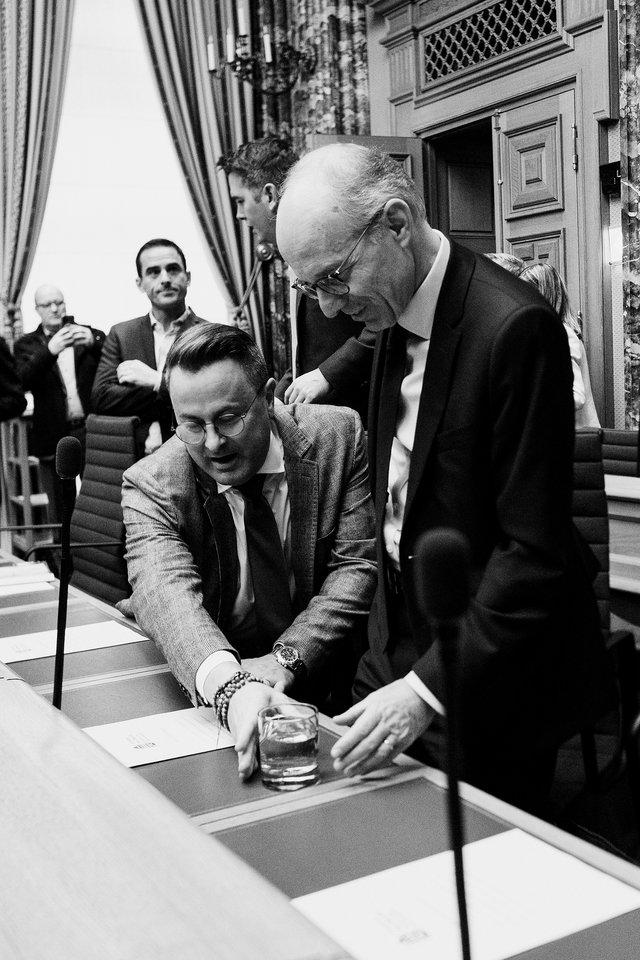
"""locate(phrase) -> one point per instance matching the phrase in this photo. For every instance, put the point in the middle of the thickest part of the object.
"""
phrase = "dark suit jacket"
(12, 398)
(39, 373)
(133, 340)
(493, 457)
(340, 348)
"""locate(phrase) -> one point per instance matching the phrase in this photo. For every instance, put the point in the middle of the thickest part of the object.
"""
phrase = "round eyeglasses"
(332, 283)
(226, 425)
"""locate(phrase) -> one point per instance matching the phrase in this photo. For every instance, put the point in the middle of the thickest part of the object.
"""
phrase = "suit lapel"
(392, 366)
(302, 480)
(147, 345)
(445, 337)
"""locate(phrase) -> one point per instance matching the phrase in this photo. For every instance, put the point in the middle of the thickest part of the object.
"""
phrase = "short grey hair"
(359, 179)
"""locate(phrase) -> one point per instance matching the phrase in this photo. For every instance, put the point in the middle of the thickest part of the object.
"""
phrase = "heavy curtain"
(331, 97)
(208, 115)
(629, 16)
(34, 50)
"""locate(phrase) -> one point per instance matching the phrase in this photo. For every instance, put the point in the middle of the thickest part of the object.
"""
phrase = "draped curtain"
(332, 98)
(208, 114)
(34, 49)
(629, 17)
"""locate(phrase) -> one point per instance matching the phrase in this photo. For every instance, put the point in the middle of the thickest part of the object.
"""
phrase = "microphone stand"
(448, 635)
(441, 580)
(66, 569)
(68, 460)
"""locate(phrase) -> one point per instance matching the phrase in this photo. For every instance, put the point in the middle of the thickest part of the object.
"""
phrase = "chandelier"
(271, 66)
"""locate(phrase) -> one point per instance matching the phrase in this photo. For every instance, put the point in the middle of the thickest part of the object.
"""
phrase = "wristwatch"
(287, 656)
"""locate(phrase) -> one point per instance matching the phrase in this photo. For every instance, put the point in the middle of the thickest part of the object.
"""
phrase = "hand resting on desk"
(382, 725)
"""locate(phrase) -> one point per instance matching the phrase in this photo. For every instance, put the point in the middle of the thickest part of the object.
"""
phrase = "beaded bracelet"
(223, 694)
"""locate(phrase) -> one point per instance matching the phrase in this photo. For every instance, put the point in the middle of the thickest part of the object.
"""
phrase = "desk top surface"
(94, 826)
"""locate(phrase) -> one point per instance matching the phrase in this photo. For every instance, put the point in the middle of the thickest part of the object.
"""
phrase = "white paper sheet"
(13, 589)
(162, 736)
(25, 573)
(90, 636)
(521, 893)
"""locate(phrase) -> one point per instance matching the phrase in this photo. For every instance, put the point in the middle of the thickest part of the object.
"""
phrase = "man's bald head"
(332, 197)
(50, 305)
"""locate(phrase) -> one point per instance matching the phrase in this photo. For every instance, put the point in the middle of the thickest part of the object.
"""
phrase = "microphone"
(68, 465)
(441, 580)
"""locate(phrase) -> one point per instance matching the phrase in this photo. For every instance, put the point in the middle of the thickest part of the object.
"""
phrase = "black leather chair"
(591, 519)
(97, 527)
(620, 452)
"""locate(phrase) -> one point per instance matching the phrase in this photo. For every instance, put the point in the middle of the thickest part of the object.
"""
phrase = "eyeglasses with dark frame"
(332, 283)
(226, 425)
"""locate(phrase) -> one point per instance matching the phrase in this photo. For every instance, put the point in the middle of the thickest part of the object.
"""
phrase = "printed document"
(162, 736)
(521, 893)
(90, 636)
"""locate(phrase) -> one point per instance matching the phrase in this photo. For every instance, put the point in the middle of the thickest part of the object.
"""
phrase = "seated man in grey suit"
(128, 381)
(190, 530)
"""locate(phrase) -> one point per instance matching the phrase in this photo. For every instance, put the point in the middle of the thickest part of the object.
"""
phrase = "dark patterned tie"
(266, 560)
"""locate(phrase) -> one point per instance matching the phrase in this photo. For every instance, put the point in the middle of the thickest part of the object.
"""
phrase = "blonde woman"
(552, 287)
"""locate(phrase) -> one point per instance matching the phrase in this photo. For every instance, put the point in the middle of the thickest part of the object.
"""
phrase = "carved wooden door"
(536, 185)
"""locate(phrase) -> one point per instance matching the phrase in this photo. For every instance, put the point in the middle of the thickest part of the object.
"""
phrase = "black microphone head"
(68, 458)
(441, 574)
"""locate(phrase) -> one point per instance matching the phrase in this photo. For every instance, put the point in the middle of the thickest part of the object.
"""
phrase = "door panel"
(536, 184)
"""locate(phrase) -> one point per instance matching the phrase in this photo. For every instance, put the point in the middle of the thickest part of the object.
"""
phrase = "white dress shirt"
(67, 367)
(417, 320)
(162, 341)
(276, 493)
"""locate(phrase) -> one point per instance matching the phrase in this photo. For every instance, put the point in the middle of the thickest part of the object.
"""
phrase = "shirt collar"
(418, 316)
(174, 323)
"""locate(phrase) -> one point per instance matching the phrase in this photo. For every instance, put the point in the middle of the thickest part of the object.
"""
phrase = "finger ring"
(388, 742)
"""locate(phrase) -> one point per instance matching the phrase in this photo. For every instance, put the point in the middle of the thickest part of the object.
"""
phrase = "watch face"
(287, 654)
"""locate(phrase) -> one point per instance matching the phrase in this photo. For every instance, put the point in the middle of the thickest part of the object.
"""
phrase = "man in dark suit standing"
(128, 382)
(57, 363)
(471, 427)
(332, 357)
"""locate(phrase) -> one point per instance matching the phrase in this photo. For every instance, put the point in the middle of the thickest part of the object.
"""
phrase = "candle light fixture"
(270, 65)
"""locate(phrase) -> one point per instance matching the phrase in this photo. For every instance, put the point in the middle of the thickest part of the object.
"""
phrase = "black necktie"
(269, 573)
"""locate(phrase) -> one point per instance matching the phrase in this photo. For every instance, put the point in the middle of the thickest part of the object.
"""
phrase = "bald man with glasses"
(470, 427)
(250, 537)
(57, 363)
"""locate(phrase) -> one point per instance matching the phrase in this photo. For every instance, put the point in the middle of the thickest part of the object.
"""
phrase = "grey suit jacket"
(172, 557)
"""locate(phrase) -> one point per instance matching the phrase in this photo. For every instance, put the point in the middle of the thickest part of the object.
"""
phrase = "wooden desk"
(96, 863)
(334, 831)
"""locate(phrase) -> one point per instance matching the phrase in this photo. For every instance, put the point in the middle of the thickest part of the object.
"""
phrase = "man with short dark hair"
(238, 633)
(57, 363)
(129, 378)
(471, 427)
(331, 358)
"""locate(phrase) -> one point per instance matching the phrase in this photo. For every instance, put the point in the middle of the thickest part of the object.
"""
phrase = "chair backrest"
(620, 452)
(110, 449)
(590, 514)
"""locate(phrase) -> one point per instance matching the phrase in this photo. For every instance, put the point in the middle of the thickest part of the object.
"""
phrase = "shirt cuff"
(209, 664)
(423, 692)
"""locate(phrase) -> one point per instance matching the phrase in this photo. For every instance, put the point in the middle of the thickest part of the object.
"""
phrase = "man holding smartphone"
(57, 363)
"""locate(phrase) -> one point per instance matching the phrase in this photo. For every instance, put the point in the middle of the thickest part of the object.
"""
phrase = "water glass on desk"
(288, 735)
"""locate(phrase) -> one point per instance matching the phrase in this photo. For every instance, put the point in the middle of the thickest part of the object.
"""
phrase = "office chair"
(591, 519)
(620, 452)
(97, 526)
(99, 568)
